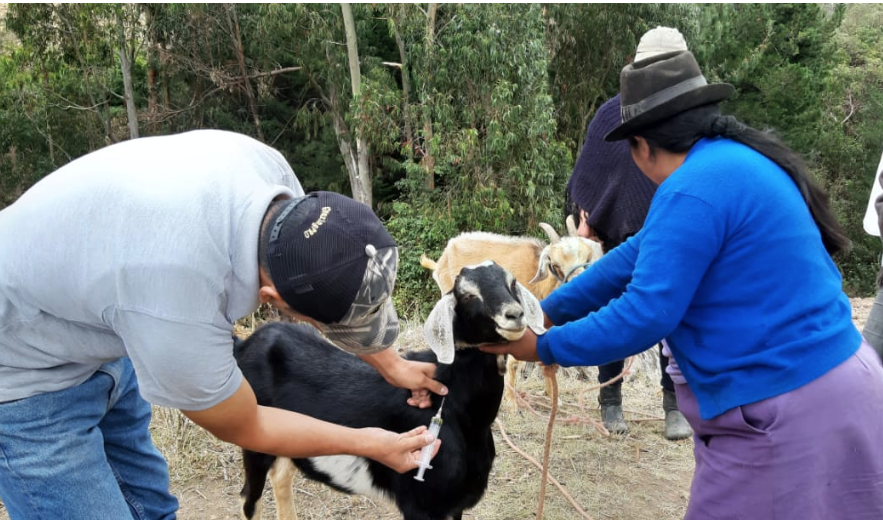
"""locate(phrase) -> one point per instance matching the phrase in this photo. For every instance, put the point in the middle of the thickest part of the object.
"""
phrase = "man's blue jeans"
(84, 453)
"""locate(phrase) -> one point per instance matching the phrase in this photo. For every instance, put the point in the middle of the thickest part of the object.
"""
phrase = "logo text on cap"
(310, 231)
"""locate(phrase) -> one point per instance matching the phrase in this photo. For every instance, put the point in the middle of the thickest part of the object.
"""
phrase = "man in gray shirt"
(138, 259)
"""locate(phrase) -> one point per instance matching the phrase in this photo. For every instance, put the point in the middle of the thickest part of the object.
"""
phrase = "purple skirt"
(815, 453)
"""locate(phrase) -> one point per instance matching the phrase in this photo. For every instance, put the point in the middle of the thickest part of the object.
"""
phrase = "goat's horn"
(553, 235)
(571, 225)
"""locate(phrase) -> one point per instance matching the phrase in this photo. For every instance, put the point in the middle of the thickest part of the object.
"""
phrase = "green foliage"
(852, 137)
(779, 57)
(37, 134)
(417, 232)
(500, 97)
(798, 71)
(589, 44)
(498, 164)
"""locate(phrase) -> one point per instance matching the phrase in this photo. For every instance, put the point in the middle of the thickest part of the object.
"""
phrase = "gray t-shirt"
(147, 249)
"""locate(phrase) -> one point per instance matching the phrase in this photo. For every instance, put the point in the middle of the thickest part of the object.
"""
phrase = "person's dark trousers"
(665, 380)
(611, 370)
(610, 399)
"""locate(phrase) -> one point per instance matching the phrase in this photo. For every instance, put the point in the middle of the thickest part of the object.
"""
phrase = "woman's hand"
(523, 349)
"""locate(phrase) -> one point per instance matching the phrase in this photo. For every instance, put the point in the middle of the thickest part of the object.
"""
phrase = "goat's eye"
(557, 270)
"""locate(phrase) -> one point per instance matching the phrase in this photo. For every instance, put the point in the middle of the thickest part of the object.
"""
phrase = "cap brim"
(369, 337)
(701, 96)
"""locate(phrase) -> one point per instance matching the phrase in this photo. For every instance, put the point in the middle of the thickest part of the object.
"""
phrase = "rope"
(584, 418)
(537, 464)
(550, 375)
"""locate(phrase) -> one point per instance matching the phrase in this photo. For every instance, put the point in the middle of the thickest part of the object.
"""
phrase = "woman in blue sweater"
(733, 269)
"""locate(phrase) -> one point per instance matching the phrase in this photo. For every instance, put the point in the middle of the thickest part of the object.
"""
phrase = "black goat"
(293, 367)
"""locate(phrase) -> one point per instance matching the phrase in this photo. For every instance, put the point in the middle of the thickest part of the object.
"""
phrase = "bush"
(417, 232)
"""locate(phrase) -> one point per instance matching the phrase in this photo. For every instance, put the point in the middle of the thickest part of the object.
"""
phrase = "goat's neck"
(475, 388)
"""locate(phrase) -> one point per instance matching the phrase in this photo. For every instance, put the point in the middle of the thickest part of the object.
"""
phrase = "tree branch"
(851, 109)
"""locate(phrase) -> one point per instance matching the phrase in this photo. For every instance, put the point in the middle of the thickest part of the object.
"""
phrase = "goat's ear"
(439, 329)
(542, 266)
(572, 228)
(532, 310)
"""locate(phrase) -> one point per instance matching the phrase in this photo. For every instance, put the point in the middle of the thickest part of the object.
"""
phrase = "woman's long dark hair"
(679, 133)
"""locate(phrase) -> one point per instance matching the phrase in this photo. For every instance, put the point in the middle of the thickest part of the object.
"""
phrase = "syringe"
(426, 452)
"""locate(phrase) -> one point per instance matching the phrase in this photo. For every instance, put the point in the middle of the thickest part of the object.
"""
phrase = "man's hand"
(413, 375)
(417, 377)
(241, 421)
(523, 349)
(400, 451)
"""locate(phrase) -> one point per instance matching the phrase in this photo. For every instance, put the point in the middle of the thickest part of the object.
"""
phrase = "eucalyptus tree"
(74, 39)
(779, 57)
(58, 90)
(483, 113)
(589, 44)
(203, 69)
(129, 36)
(483, 80)
(360, 175)
(851, 141)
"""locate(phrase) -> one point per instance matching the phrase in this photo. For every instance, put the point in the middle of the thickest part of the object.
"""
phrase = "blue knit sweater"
(730, 268)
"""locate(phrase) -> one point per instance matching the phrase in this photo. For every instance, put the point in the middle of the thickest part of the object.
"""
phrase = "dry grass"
(640, 476)
(636, 476)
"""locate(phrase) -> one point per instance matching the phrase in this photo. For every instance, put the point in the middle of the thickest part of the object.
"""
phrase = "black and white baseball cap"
(332, 260)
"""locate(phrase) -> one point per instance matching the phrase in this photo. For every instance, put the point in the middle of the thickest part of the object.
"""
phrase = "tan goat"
(530, 260)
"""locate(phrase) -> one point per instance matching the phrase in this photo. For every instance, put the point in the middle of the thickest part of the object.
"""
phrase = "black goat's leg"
(280, 475)
(256, 467)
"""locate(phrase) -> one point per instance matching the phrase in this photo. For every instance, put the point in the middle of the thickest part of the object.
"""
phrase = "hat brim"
(701, 96)
(368, 337)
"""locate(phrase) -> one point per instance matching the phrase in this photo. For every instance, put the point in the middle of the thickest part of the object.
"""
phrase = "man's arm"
(413, 375)
(227, 404)
(241, 421)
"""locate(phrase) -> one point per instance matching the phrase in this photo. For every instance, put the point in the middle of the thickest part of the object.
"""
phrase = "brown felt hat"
(658, 88)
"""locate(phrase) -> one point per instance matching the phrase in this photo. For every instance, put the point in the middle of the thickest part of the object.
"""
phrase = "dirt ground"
(640, 476)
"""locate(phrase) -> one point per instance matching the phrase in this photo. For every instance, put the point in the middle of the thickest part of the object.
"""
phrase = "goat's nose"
(514, 314)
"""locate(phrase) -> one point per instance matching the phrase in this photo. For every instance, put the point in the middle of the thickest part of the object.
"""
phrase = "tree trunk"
(152, 73)
(406, 90)
(164, 81)
(127, 55)
(428, 161)
(362, 185)
(131, 112)
(233, 22)
(350, 161)
(151, 91)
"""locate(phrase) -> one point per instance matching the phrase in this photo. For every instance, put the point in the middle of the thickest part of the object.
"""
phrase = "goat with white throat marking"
(292, 367)
(540, 267)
